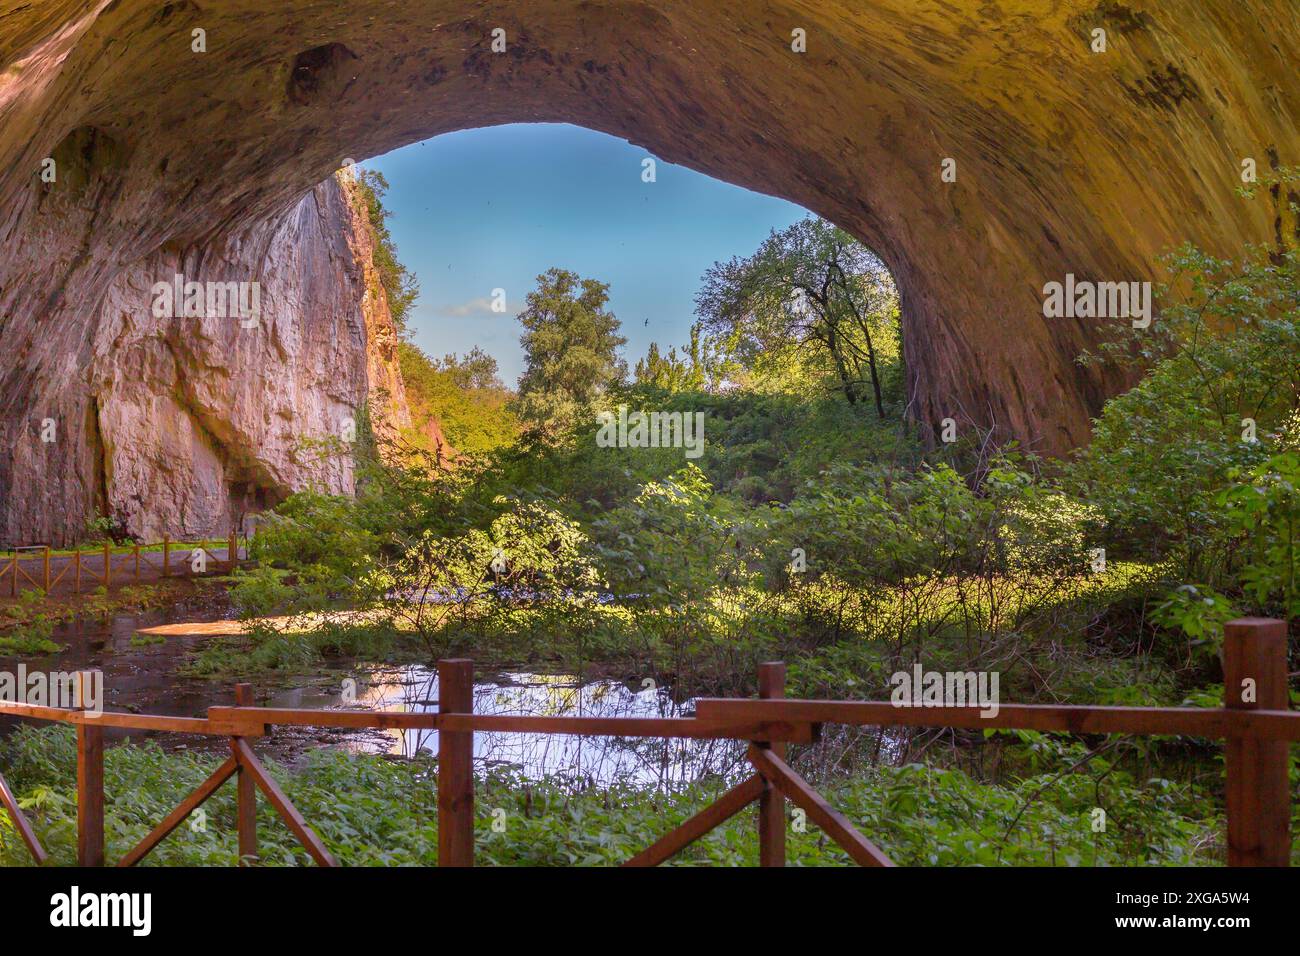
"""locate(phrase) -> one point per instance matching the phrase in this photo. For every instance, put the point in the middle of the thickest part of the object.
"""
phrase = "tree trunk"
(846, 381)
(875, 374)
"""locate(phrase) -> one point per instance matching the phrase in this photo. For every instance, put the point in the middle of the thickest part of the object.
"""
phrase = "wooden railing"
(97, 565)
(1255, 723)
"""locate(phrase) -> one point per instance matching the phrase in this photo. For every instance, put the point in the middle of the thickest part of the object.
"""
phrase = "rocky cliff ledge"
(188, 424)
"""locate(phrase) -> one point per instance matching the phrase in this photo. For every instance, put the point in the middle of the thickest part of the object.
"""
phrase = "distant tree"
(811, 284)
(463, 395)
(669, 372)
(571, 345)
(474, 370)
(400, 285)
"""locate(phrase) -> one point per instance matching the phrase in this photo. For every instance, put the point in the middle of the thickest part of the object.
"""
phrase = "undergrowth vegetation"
(370, 811)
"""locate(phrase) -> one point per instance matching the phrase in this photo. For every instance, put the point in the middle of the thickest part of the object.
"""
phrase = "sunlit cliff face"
(984, 148)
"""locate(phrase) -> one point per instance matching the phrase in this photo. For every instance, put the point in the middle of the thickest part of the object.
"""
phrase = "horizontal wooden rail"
(690, 728)
(253, 721)
(1062, 718)
(236, 720)
(108, 718)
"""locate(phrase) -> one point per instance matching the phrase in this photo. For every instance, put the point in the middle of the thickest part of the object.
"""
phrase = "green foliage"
(1196, 465)
(674, 542)
(262, 591)
(571, 344)
(318, 535)
(668, 373)
(30, 601)
(30, 639)
(322, 540)
(761, 447)
(809, 286)
(1200, 613)
(400, 285)
(463, 396)
(297, 647)
(1221, 396)
(102, 528)
(371, 811)
(1263, 507)
(529, 554)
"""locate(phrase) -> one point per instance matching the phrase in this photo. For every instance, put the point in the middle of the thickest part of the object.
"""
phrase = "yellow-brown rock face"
(188, 424)
(1067, 160)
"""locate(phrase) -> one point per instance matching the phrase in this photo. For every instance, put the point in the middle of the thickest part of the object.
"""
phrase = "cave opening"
(474, 220)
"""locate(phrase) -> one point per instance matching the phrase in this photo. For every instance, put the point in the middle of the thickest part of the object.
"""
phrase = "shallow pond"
(144, 677)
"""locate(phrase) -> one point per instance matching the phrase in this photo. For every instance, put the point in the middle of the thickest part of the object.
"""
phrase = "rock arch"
(1068, 160)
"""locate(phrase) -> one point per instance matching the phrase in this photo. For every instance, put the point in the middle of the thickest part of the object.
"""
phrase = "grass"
(31, 639)
(372, 811)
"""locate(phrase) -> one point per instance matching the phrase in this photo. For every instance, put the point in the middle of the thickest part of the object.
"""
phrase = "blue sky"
(493, 208)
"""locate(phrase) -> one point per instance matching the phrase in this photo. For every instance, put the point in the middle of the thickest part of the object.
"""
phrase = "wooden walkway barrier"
(107, 564)
(1255, 724)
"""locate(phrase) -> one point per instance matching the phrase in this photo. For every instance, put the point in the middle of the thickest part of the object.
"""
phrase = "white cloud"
(480, 306)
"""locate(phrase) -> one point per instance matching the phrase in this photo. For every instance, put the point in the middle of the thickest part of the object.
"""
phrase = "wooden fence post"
(137, 562)
(247, 809)
(13, 588)
(76, 568)
(167, 555)
(771, 805)
(90, 782)
(232, 551)
(108, 563)
(46, 570)
(1258, 798)
(455, 766)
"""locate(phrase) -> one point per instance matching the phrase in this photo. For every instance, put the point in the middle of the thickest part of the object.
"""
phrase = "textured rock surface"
(192, 423)
(1068, 160)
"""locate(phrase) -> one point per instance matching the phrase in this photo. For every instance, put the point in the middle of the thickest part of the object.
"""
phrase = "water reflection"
(591, 760)
(148, 676)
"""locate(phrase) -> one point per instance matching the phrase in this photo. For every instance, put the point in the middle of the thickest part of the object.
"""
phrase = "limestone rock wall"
(191, 424)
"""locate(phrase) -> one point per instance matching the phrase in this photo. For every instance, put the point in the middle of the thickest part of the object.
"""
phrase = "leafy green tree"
(475, 370)
(670, 373)
(571, 359)
(813, 285)
(674, 542)
(530, 554)
(1222, 394)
